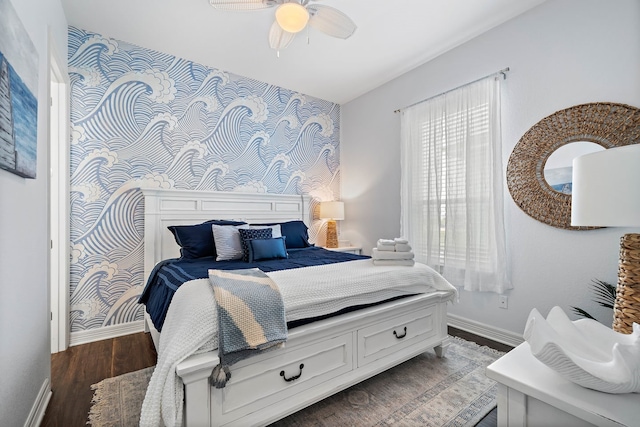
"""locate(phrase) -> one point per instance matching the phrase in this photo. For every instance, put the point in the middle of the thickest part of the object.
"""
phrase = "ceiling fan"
(292, 16)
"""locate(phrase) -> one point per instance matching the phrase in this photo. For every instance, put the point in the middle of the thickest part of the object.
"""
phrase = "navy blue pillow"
(196, 241)
(263, 249)
(247, 234)
(295, 232)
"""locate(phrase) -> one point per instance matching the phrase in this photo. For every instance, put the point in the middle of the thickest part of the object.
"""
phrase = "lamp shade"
(292, 17)
(606, 188)
(332, 210)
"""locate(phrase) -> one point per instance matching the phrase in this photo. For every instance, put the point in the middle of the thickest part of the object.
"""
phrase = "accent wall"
(141, 118)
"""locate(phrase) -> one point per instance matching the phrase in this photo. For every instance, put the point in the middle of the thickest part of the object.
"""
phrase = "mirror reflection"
(558, 168)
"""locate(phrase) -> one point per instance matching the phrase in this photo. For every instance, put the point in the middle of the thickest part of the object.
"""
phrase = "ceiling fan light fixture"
(292, 17)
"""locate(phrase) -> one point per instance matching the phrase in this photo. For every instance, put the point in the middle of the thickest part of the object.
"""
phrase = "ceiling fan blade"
(242, 4)
(331, 21)
(279, 38)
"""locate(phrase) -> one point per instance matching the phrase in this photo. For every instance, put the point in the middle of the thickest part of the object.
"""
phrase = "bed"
(320, 358)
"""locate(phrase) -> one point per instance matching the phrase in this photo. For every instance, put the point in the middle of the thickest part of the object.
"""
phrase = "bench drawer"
(384, 338)
(255, 386)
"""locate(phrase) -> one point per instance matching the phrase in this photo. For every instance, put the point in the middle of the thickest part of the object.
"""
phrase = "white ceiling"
(393, 37)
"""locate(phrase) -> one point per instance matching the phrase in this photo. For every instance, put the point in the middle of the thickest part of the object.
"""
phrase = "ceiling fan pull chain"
(308, 34)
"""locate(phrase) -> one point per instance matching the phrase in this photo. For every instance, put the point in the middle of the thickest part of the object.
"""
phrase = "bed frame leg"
(197, 410)
(441, 349)
(195, 374)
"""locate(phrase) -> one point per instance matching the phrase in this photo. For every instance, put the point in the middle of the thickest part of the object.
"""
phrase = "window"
(452, 185)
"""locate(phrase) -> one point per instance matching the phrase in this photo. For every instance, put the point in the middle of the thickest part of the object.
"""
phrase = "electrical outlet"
(503, 302)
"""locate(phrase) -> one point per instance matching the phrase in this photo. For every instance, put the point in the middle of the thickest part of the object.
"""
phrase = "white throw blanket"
(182, 336)
(191, 323)
(324, 289)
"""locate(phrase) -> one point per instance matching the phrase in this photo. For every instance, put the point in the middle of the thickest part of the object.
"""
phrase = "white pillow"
(227, 239)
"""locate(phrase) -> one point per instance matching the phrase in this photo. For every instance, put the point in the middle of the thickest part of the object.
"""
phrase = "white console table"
(532, 394)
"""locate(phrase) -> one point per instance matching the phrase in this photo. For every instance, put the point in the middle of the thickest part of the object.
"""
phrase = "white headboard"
(163, 208)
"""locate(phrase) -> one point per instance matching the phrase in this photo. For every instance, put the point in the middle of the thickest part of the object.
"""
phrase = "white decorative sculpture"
(585, 351)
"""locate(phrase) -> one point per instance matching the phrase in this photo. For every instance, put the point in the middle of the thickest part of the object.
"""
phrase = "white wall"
(562, 53)
(24, 295)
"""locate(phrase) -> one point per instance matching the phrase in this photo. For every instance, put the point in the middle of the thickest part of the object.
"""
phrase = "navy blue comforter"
(168, 275)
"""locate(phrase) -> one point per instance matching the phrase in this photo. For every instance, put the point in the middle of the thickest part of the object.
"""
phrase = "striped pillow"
(227, 241)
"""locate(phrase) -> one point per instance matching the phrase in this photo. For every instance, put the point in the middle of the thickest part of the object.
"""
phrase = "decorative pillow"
(196, 241)
(295, 232)
(275, 229)
(263, 249)
(227, 242)
(247, 234)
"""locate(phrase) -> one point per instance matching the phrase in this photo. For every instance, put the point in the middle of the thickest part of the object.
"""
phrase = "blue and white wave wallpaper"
(141, 118)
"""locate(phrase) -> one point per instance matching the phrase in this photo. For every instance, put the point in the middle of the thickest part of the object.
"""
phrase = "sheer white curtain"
(452, 191)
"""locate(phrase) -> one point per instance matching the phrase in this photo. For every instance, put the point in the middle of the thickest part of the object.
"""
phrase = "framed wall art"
(18, 95)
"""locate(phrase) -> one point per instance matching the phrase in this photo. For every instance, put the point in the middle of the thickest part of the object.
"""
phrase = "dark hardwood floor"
(74, 371)
(479, 340)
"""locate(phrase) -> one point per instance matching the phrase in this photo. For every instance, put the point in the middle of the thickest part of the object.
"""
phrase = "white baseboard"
(36, 415)
(92, 335)
(497, 334)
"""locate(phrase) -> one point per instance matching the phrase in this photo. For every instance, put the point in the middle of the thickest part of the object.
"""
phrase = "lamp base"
(626, 309)
(332, 234)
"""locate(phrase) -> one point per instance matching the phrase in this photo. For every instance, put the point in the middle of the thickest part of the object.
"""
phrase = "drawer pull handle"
(401, 336)
(293, 378)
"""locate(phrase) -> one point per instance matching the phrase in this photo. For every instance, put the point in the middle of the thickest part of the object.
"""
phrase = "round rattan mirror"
(604, 123)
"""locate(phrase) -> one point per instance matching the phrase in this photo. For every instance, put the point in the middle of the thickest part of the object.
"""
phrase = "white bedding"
(326, 289)
(191, 323)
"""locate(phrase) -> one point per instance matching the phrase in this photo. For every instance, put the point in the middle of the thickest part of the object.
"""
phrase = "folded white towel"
(386, 242)
(400, 240)
(405, 262)
(403, 247)
(386, 248)
(377, 254)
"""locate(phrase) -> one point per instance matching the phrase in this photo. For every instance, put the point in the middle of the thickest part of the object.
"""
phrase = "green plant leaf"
(581, 312)
(605, 293)
(605, 296)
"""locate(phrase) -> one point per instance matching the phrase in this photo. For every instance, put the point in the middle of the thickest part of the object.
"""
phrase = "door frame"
(58, 129)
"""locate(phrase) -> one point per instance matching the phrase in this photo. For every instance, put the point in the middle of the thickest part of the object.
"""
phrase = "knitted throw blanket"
(251, 317)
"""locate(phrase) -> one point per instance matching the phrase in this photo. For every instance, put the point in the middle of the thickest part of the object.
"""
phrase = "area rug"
(424, 391)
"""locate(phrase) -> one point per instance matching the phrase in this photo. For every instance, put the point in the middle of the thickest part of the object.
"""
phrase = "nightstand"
(531, 393)
(350, 249)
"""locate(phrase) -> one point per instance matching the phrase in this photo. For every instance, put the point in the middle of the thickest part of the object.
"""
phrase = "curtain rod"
(503, 72)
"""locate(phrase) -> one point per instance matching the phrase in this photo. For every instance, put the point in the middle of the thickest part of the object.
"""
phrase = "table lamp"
(606, 193)
(332, 211)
